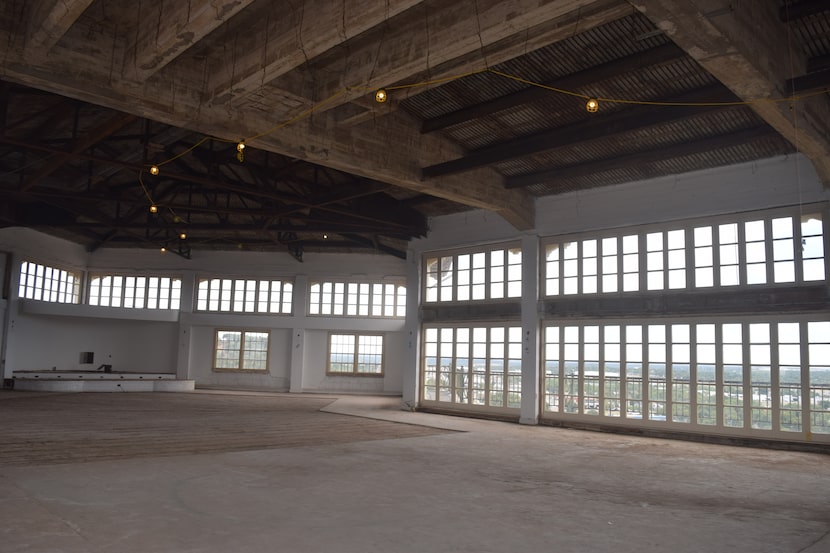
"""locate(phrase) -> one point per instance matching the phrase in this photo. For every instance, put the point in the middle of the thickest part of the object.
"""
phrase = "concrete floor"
(484, 486)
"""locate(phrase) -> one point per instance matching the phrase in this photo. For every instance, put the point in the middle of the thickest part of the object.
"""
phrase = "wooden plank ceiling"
(485, 110)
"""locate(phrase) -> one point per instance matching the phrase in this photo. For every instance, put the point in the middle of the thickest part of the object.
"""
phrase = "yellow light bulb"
(592, 105)
(163, 249)
(154, 170)
(380, 96)
(325, 237)
(183, 236)
(240, 146)
(154, 208)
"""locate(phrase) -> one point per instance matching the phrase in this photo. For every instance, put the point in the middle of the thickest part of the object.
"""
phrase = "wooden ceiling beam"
(745, 49)
(112, 125)
(802, 9)
(286, 39)
(171, 28)
(538, 36)
(594, 128)
(655, 56)
(381, 150)
(48, 21)
(421, 38)
(811, 82)
(662, 153)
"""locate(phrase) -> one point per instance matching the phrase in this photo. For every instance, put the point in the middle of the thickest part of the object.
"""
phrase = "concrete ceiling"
(485, 110)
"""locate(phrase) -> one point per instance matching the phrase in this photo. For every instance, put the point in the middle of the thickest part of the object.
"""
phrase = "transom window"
(135, 292)
(357, 299)
(43, 283)
(241, 350)
(774, 249)
(355, 354)
(488, 274)
(244, 295)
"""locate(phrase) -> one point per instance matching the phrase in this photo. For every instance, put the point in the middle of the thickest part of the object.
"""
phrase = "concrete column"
(297, 356)
(9, 317)
(530, 330)
(297, 360)
(185, 326)
(188, 295)
(7, 351)
(412, 327)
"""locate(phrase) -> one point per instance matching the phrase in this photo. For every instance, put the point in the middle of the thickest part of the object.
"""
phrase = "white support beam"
(750, 51)
(172, 28)
(48, 21)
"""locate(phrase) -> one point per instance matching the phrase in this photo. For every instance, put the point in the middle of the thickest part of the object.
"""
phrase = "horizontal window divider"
(471, 312)
(793, 299)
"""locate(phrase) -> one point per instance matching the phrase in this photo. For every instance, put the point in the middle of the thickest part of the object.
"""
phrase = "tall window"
(355, 354)
(755, 377)
(357, 299)
(488, 274)
(473, 365)
(135, 292)
(39, 282)
(241, 350)
(244, 295)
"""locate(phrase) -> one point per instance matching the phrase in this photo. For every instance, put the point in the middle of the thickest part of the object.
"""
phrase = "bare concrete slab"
(490, 487)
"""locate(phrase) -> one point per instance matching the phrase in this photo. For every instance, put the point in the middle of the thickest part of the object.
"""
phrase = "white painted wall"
(277, 377)
(42, 336)
(43, 342)
(46, 339)
(775, 182)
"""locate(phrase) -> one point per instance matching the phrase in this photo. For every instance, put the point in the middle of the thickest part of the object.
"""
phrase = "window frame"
(232, 300)
(328, 306)
(456, 271)
(744, 358)
(22, 285)
(173, 302)
(356, 354)
(240, 368)
(495, 386)
(554, 271)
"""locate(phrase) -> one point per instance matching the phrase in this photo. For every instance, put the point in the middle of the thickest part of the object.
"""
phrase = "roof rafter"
(48, 21)
(180, 26)
(639, 158)
(635, 118)
(743, 49)
(654, 56)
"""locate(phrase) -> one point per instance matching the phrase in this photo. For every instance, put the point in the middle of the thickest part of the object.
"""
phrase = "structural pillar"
(411, 371)
(297, 355)
(530, 330)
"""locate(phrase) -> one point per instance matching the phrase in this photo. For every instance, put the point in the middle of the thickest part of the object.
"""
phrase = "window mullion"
(768, 251)
(774, 376)
(806, 422)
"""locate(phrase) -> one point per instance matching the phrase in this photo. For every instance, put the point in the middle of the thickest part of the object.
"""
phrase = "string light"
(163, 249)
(325, 237)
(592, 105)
(154, 208)
(381, 96)
(183, 236)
